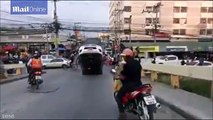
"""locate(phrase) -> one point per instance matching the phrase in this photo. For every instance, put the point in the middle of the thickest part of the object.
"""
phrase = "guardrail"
(177, 71)
(20, 68)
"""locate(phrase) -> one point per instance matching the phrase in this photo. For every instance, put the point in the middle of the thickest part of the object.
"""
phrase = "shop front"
(147, 51)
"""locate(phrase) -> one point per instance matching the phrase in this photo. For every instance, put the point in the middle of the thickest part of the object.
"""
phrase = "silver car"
(46, 59)
(58, 62)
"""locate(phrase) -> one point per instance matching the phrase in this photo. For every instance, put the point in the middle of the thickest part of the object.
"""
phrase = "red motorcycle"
(141, 102)
(36, 79)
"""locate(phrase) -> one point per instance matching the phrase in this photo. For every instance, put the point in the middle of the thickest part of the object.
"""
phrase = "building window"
(176, 32)
(148, 20)
(210, 20)
(183, 9)
(126, 20)
(154, 19)
(127, 8)
(183, 20)
(209, 31)
(126, 31)
(149, 8)
(182, 32)
(176, 9)
(210, 9)
(176, 20)
(179, 32)
(180, 9)
(203, 20)
(204, 9)
(202, 32)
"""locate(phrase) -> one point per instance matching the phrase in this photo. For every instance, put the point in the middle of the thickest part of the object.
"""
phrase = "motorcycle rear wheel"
(37, 84)
(147, 113)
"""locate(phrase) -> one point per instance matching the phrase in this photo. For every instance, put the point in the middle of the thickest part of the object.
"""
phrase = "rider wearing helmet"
(34, 64)
(130, 77)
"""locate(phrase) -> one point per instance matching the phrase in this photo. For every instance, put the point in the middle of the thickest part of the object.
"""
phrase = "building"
(40, 41)
(175, 19)
(103, 36)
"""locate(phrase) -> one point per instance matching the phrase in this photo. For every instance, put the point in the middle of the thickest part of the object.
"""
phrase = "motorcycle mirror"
(113, 71)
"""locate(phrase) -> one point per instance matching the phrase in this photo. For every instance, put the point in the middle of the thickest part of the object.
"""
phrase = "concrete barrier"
(177, 71)
(20, 68)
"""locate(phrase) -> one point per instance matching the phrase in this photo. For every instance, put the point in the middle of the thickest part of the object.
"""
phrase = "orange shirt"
(36, 63)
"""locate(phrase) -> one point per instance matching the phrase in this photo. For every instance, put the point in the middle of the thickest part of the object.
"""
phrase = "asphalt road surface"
(66, 94)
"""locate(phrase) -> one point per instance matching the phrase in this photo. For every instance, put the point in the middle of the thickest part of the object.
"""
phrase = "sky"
(68, 11)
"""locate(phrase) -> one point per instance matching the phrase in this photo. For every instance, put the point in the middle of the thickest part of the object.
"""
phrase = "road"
(66, 94)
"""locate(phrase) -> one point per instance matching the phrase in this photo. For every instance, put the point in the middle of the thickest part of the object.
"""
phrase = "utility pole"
(156, 10)
(130, 21)
(118, 26)
(46, 26)
(56, 25)
(47, 39)
(75, 29)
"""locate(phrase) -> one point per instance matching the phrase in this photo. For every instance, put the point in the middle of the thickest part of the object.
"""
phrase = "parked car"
(57, 63)
(196, 63)
(46, 59)
(167, 59)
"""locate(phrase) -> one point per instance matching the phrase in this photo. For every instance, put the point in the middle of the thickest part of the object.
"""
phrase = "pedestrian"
(154, 60)
(183, 62)
(201, 61)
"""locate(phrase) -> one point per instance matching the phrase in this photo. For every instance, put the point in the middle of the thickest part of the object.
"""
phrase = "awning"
(9, 47)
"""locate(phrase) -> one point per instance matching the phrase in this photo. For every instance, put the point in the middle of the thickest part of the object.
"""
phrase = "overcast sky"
(70, 11)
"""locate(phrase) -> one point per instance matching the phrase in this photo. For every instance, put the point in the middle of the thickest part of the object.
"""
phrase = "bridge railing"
(19, 69)
(178, 71)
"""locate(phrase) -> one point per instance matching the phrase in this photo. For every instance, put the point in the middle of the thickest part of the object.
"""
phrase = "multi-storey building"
(180, 19)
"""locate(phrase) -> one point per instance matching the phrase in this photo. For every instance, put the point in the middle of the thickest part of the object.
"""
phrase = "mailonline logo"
(29, 7)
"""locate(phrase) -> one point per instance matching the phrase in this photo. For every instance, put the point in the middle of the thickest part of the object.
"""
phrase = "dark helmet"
(36, 54)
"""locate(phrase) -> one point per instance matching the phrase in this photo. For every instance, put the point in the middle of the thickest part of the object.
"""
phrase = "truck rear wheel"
(84, 72)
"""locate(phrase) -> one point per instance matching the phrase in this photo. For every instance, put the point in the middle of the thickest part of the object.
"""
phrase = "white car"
(58, 62)
(205, 63)
(167, 59)
(46, 59)
(91, 57)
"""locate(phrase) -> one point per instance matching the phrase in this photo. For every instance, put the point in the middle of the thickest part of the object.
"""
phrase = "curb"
(13, 79)
(17, 78)
(177, 109)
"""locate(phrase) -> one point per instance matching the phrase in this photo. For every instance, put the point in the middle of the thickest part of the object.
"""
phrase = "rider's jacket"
(36, 63)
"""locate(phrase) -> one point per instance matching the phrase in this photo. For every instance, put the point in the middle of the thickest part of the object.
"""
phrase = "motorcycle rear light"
(37, 72)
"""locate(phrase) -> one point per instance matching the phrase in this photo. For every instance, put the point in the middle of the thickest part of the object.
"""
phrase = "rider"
(34, 64)
(136, 54)
(72, 57)
(130, 77)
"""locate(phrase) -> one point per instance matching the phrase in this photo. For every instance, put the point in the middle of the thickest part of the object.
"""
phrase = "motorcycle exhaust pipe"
(158, 105)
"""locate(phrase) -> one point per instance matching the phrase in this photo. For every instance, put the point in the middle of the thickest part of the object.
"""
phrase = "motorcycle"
(36, 79)
(140, 102)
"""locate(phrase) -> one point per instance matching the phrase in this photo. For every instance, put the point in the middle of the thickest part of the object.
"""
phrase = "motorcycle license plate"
(150, 100)
(37, 77)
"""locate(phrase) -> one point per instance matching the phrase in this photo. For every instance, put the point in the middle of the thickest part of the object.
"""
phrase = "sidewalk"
(187, 104)
(12, 78)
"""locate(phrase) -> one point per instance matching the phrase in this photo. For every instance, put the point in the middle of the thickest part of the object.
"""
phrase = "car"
(57, 63)
(91, 59)
(167, 59)
(46, 59)
(108, 51)
(196, 63)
